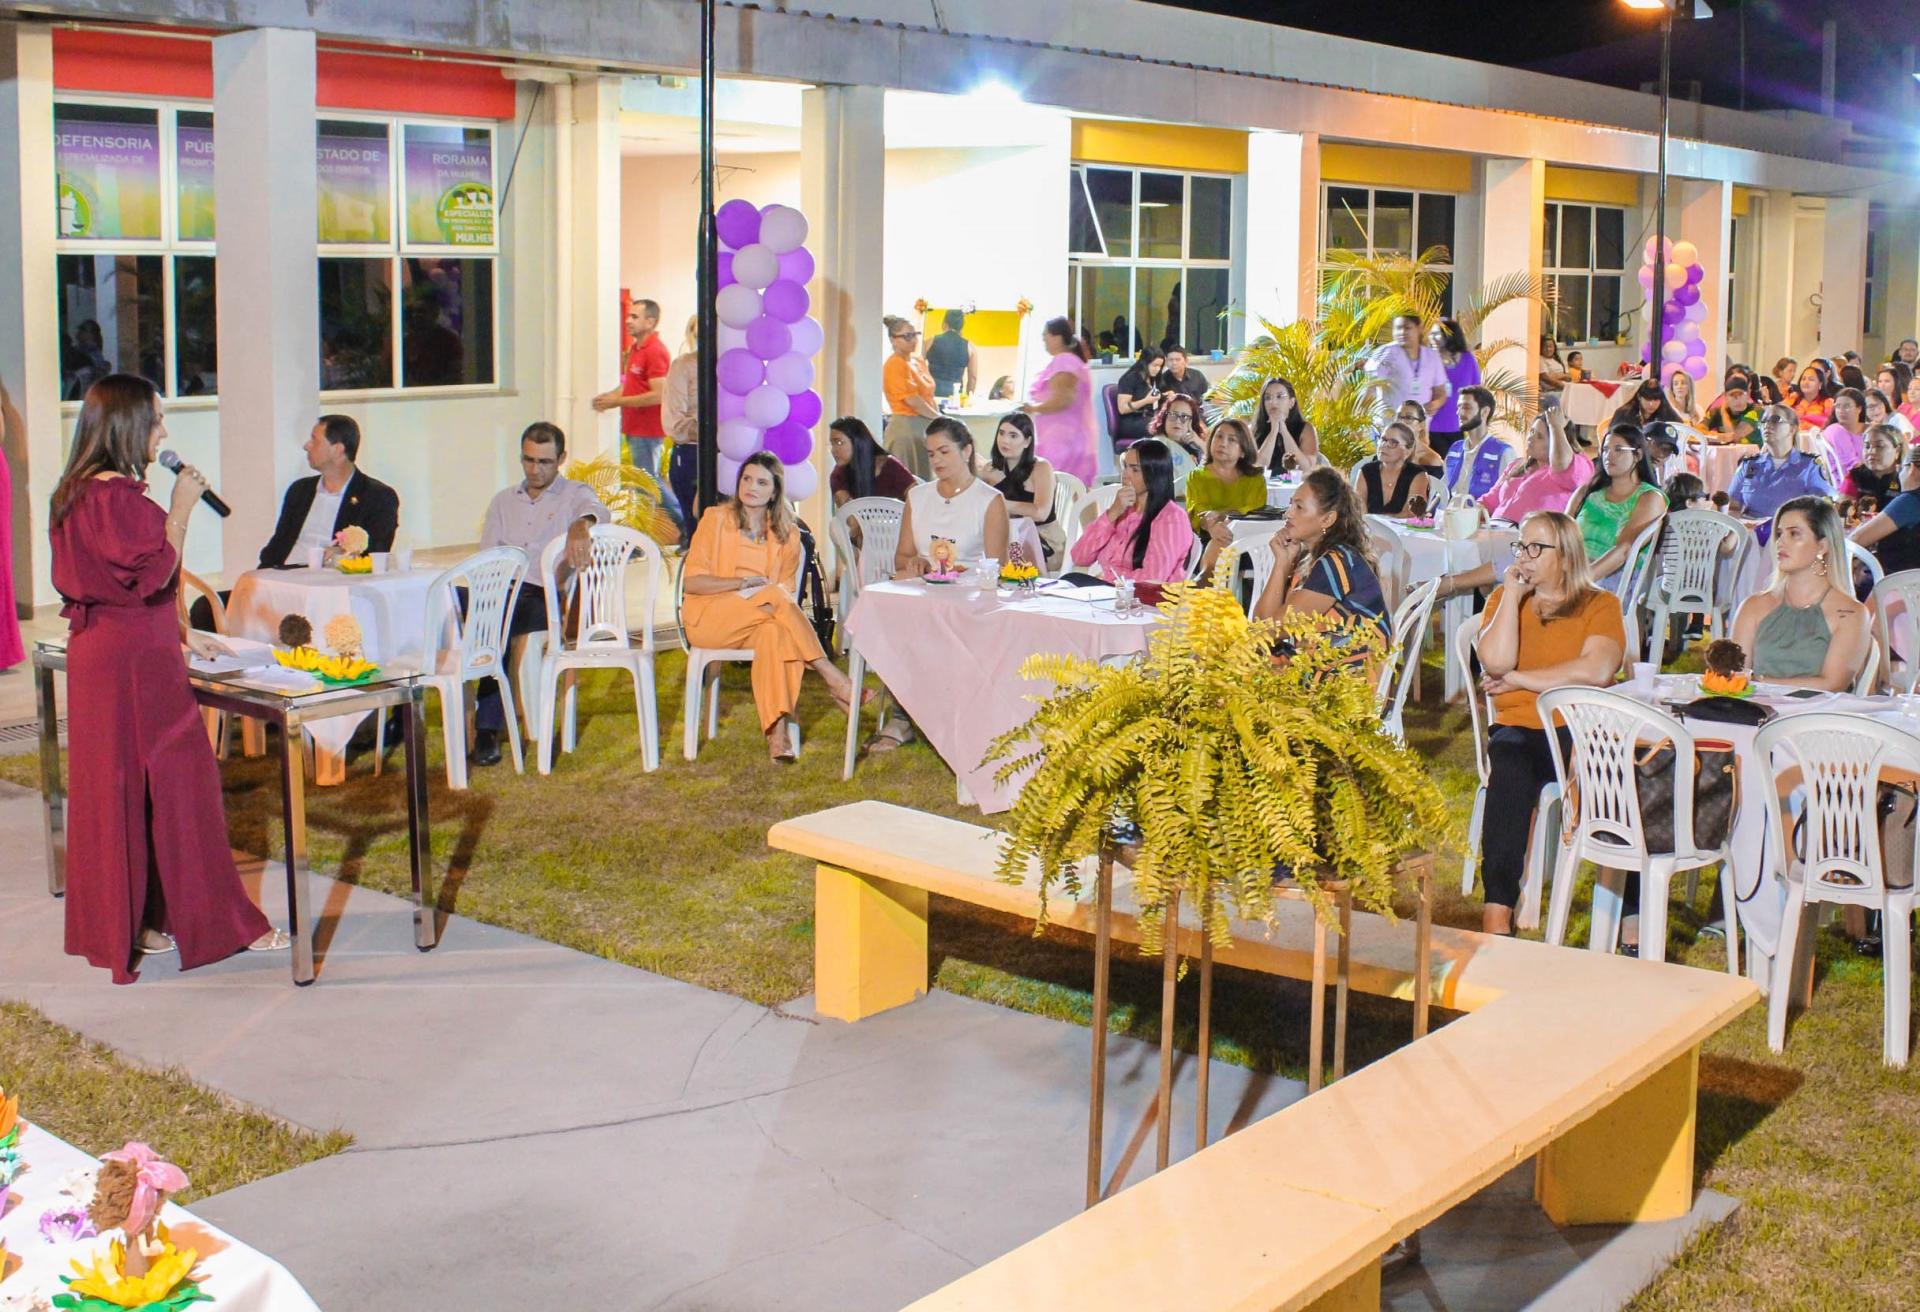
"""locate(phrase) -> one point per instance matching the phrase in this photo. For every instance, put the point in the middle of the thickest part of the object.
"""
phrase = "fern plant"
(1231, 765)
(631, 493)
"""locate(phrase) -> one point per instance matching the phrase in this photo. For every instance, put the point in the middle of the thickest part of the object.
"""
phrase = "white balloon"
(1685, 253)
(756, 265)
(801, 481)
(782, 229)
(738, 439)
(792, 372)
(730, 338)
(808, 337)
(1696, 313)
(766, 406)
(737, 305)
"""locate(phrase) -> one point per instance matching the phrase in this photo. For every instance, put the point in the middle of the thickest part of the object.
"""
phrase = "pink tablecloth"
(1718, 464)
(951, 658)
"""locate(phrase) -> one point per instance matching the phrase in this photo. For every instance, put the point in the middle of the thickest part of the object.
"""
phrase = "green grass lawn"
(670, 872)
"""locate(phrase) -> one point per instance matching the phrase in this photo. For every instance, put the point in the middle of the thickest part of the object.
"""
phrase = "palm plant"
(631, 493)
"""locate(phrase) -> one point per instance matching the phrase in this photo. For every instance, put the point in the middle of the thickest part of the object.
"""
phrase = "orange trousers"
(772, 626)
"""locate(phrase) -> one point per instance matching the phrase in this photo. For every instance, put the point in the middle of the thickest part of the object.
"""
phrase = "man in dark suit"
(338, 496)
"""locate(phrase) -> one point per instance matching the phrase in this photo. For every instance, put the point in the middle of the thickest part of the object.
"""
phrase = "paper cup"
(316, 557)
(381, 560)
(402, 559)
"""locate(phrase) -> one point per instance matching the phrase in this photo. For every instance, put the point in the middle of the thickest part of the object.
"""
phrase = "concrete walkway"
(537, 1127)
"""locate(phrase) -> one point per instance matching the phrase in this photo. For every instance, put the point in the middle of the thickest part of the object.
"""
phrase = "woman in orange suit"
(743, 560)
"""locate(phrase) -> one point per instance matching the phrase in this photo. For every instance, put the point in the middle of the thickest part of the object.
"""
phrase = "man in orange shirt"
(638, 395)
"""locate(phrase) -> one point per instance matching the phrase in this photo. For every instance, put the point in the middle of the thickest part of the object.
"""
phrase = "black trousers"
(1519, 765)
(529, 616)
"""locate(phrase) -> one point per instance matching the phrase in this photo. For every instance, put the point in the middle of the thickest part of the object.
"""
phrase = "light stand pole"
(709, 330)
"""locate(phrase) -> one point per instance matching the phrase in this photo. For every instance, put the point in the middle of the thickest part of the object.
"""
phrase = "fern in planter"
(1230, 764)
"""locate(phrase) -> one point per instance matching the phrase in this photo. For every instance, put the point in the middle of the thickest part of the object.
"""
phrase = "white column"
(1773, 281)
(1706, 220)
(266, 302)
(29, 319)
(1283, 227)
(1512, 237)
(1902, 317)
(586, 354)
(1843, 274)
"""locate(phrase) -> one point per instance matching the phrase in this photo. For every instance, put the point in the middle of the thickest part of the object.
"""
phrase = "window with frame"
(1150, 258)
(1585, 265)
(1374, 221)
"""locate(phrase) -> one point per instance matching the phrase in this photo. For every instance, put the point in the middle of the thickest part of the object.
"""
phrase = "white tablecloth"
(1280, 491)
(1025, 534)
(1719, 463)
(1429, 555)
(1590, 405)
(239, 1278)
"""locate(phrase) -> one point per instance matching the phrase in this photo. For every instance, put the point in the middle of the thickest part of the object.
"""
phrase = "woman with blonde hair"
(1806, 629)
(1680, 397)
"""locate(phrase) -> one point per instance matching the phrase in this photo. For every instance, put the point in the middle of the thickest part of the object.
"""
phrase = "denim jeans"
(644, 453)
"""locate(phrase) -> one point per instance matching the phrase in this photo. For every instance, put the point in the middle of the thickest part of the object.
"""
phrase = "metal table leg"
(53, 788)
(419, 831)
(293, 807)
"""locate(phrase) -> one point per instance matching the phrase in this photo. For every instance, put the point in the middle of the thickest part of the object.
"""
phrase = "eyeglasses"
(907, 336)
(1532, 550)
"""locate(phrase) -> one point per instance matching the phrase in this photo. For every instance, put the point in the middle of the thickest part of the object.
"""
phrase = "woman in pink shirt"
(1546, 479)
(1062, 404)
(1144, 535)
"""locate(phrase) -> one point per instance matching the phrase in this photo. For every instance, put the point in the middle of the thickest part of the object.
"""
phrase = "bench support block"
(869, 944)
(1359, 1292)
(1630, 1161)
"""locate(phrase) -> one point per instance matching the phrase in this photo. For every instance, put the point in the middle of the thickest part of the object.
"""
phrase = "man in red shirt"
(638, 396)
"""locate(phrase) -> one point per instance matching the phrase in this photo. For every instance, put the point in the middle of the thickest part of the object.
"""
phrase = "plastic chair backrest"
(1859, 555)
(1067, 488)
(1689, 558)
(1637, 573)
(602, 588)
(1408, 630)
(1902, 590)
(1391, 555)
(1609, 733)
(879, 519)
(191, 582)
(1259, 557)
(1869, 670)
(1087, 507)
(1840, 758)
(493, 580)
(1477, 710)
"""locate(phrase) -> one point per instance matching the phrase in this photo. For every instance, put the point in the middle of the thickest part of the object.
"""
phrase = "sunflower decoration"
(1018, 572)
(630, 492)
(108, 1283)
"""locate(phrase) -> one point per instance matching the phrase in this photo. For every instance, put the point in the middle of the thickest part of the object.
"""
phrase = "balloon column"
(1682, 347)
(767, 343)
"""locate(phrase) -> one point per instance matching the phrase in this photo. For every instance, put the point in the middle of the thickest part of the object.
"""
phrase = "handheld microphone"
(173, 464)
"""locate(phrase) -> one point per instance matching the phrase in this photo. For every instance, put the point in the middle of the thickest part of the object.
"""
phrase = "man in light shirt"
(542, 506)
(1412, 370)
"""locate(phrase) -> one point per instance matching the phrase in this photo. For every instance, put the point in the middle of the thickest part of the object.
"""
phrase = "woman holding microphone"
(148, 865)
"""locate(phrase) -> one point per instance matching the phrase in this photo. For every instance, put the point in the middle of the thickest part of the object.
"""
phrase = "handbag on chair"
(1715, 793)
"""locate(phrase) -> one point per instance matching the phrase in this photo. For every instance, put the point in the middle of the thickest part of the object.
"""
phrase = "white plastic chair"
(1859, 555)
(1408, 634)
(1686, 576)
(1902, 590)
(1067, 490)
(703, 674)
(1258, 553)
(879, 520)
(1840, 758)
(1393, 564)
(1631, 583)
(1546, 810)
(478, 650)
(1864, 681)
(1610, 731)
(605, 639)
(1086, 507)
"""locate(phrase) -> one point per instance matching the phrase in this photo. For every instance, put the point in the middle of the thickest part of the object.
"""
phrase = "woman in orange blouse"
(744, 557)
(909, 388)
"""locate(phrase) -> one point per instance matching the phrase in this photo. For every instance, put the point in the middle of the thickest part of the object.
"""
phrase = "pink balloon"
(804, 409)
(768, 338)
(1672, 351)
(1646, 275)
(738, 224)
(739, 372)
(738, 439)
(785, 300)
(802, 481)
(767, 407)
(789, 443)
(730, 406)
(797, 266)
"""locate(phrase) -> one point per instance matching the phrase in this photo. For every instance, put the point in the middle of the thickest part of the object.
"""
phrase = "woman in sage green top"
(1806, 629)
(1617, 505)
(1230, 483)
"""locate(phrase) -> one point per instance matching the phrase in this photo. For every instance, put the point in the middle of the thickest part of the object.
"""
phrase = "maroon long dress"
(144, 817)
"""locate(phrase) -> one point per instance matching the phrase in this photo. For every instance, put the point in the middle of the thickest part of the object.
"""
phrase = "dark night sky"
(1603, 41)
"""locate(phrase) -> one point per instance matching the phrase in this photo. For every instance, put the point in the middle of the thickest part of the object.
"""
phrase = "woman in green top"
(1622, 499)
(1806, 629)
(1230, 483)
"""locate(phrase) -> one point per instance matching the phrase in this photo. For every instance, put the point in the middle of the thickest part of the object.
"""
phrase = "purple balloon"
(804, 409)
(768, 338)
(789, 442)
(1696, 368)
(731, 406)
(737, 223)
(723, 271)
(738, 439)
(1695, 272)
(729, 479)
(797, 266)
(740, 372)
(784, 300)
(1686, 295)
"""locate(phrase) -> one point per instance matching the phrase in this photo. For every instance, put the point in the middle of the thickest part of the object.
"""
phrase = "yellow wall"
(1742, 201)
(1594, 186)
(1159, 145)
(1389, 166)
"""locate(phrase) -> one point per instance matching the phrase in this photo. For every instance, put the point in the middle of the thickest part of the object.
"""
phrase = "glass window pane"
(1551, 256)
(1163, 215)
(449, 185)
(446, 336)
(1112, 192)
(1156, 300)
(1210, 236)
(111, 320)
(195, 351)
(1609, 239)
(106, 162)
(1106, 307)
(1346, 226)
(1393, 222)
(1083, 235)
(1606, 307)
(1436, 223)
(1576, 237)
(355, 182)
(193, 174)
(356, 324)
(1206, 297)
(1570, 322)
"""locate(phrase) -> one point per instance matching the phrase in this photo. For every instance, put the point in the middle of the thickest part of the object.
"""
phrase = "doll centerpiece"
(141, 1269)
(348, 551)
(1019, 573)
(946, 561)
(1726, 674)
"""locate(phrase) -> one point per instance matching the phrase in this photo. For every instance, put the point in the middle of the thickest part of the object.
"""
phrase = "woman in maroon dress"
(148, 864)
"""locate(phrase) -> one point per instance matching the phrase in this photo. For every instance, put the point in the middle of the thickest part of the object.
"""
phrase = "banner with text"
(355, 187)
(449, 186)
(108, 176)
(193, 179)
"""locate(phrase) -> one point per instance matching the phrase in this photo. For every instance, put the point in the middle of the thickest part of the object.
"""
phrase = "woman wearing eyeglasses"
(1546, 626)
(909, 388)
(1893, 535)
(1618, 502)
(1781, 472)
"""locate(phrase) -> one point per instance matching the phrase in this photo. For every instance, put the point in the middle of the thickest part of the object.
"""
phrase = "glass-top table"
(271, 696)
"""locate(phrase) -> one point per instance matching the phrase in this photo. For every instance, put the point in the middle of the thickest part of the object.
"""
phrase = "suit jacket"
(365, 503)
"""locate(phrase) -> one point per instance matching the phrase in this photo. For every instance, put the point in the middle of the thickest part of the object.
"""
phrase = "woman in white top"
(955, 508)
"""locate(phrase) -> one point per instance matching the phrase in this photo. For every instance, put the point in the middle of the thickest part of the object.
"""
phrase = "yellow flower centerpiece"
(350, 551)
(344, 664)
(104, 1284)
(1019, 573)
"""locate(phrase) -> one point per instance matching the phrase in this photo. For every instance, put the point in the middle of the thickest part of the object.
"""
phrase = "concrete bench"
(1586, 1063)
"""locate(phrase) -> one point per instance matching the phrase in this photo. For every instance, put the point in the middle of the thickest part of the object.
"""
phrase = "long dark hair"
(1263, 427)
(1022, 469)
(1148, 354)
(1156, 471)
(866, 453)
(1349, 527)
(1643, 467)
(1452, 338)
(1629, 410)
(117, 416)
(1062, 327)
(779, 517)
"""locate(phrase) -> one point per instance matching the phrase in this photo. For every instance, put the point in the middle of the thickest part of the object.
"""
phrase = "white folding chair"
(1833, 853)
(1546, 809)
(1407, 634)
(1390, 553)
(478, 650)
(1859, 555)
(605, 639)
(1630, 585)
(1898, 593)
(879, 521)
(1610, 732)
(1067, 490)
(703, 674)
(1687, 573)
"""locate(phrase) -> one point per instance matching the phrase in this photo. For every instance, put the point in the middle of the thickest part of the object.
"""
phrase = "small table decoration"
(1019, 573)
